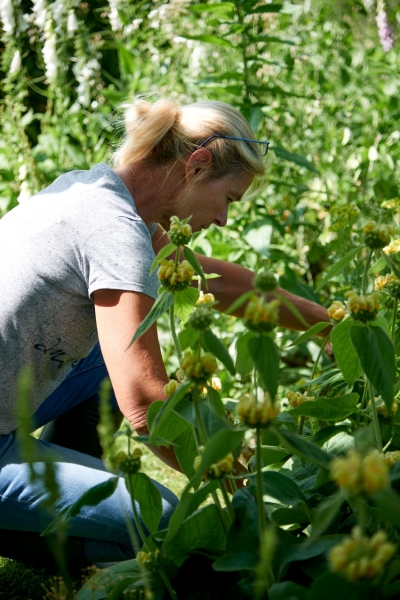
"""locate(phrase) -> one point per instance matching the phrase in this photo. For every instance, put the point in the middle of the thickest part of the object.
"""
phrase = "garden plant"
(312, 415)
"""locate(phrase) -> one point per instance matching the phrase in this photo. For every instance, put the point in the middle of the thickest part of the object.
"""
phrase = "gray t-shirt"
(80, 234)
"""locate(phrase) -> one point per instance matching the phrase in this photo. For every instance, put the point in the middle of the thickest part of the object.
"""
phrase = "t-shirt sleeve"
(119, 256)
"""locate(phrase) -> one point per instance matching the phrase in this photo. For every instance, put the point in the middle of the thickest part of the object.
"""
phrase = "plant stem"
(375, 419)
(148, 543)
(396, 302)
(262, 520)
(301, 424)
(222, 486)
(173, 331)
(364, 279)
(200, 424)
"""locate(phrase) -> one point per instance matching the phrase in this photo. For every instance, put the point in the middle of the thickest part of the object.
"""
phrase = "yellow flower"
(376, 236)
(389, 284)
(171, 387)
(206, 298)
(363, 308)
(179, 234)
(175, 277)
(254, 413)
(391, 457)
(359, 557)
(375, 472)
(296, 398)
(393, 247)
(357, 475)
(216, 470)
(383, 410)
(198, 368)
(260, 315)
(337, 311)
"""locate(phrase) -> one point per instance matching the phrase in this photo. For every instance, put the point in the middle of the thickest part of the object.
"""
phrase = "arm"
(235, 280)
(137, 373)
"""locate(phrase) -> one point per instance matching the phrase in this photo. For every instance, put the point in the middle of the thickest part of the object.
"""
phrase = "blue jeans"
(103, 529)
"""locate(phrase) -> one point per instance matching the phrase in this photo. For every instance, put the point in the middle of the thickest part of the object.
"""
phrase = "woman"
(75, 270)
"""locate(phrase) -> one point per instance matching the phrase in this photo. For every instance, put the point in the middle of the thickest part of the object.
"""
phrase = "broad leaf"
(209, 38)
(299, 446)
(92, 497)
(287, 590)
(168, 407)
(271, 454)
(265, 356)
(171, 427)
(328, 409)
(387, 502)
(345, 353)
(282, 488)
(223, 10)
(160, 306)
(325, 513)
(215, 403)
(377, 267)
(184, 302)
(309, 333)
(281, 152)
(376, 352)
(148, 496)
(221, 444)
(193, 260)
(215, 346)
(244, 362)
(163, 253)
(268, 8)
(186, 451)
(338, 267)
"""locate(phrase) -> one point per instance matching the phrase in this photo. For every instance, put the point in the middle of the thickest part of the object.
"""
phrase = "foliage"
(321, 83)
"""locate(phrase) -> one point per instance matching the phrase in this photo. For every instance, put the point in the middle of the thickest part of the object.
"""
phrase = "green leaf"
(328, 409)
(222, 9)
(239, 301)
(376, 352)
(377, 267)
(344, 351)
(208, 38)
(331, 587)
(186, 451)
(148, 496)
(171, 427)
(244, 362)
(91, 497)
(184, 302)
(338, 267)
(94, 588)
(163, 253)
(202, 530)
(292, 515)
(290, 306)
(282, 488)
(387, 502)
(299, 446)
(273, 38)
(287, 590)
(282, 153)
(219, 445)
(193, 260)
(269, 8)
(168, 407)
(215, 346)
(271, 455)
(325, 513)
(309, 333)
(265, 356)
(160, 306)
(215, 403)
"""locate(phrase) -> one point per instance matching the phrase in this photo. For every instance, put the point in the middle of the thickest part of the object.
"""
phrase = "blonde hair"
(164, 132)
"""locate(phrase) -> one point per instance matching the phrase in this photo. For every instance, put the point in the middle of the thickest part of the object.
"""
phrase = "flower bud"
(206, 298)
(296, 398)
(376, 236)
(201, 318)
(265, 281)
(171, 387)
(179, 233)
(129, 464)
(175, 277)
(337, 311)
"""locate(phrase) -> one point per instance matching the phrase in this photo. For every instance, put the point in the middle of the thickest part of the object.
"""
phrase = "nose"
(222, 218)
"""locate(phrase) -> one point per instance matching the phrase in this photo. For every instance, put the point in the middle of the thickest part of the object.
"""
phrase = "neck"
(153, 190)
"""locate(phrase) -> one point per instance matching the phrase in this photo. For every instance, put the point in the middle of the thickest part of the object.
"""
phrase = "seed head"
(201, 318)
(265, 281)
(179, 233)
(376, 236)
(129, 464)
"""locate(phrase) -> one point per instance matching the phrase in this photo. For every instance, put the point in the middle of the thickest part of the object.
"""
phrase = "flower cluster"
(376, 236)
(260, 315)
(179, 233)
(218, 469)
(359, 557)
(175, 277)
(337, 311)
(129, 464)
(363, 308)
(205, 299)
(296, 398)
(391, 457)
(171, 387)
(357, 475)
(198, 368)
(254, 413)
(388, 283)
(201, 318)
(151, 561)
(393, 247)
(384, 30)
(264, 281)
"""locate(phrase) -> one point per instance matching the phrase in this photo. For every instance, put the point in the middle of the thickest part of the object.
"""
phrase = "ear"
(198, 162)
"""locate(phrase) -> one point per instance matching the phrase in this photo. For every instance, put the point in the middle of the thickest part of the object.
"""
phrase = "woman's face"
(209, 202)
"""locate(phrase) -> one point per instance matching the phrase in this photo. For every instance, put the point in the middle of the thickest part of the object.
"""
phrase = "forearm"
(235, 280)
